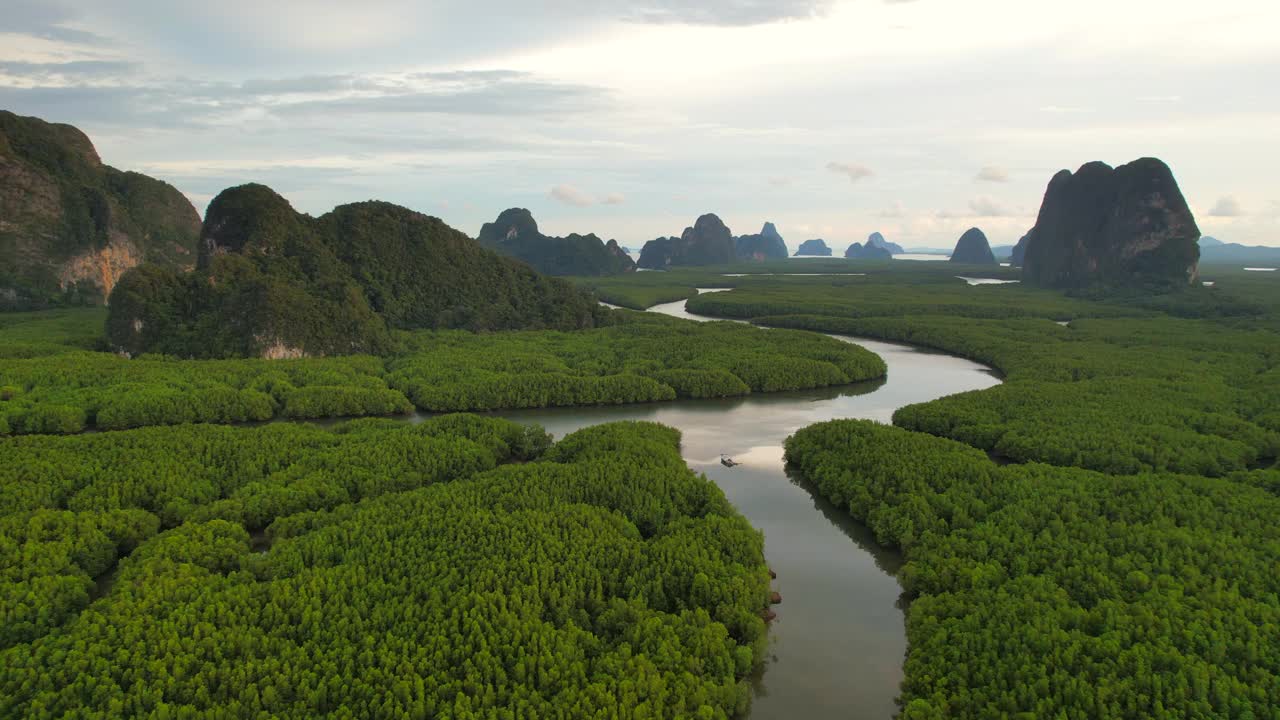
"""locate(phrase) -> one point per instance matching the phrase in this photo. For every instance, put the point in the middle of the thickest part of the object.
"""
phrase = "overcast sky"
(629, 119)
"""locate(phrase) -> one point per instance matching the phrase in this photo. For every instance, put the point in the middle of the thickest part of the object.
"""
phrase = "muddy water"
(837, 645)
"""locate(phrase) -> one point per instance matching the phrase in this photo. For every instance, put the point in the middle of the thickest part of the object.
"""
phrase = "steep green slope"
(71, 226)
(275, 283)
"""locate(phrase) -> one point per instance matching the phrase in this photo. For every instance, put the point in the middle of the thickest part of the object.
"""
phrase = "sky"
(830, 118)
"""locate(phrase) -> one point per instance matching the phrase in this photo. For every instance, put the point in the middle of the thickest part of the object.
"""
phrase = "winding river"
(837, 645)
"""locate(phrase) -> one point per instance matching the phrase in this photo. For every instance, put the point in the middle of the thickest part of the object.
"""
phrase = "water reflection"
(837, 645)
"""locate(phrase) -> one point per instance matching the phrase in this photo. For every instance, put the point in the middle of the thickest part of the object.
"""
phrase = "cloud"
(894, 211)
(855, 171)
(992, 173)
(571, 195)
(779, 181)
(45, 19)
(50, 90)
(1227, 206)
(722, 12)
(987, 207)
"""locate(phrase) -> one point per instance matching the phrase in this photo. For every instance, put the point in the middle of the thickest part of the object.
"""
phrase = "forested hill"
(515, 233)
(272, 282)
(70, 225)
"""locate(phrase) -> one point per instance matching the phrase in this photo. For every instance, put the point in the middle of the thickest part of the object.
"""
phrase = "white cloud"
(896, 210)
(614, 199)
(855, 171)
(572, 196)
(988, 207)
(1227, 206)
(994, 174)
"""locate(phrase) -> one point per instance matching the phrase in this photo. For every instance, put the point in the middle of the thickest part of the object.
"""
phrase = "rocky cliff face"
(1018, 256)
(515, 234)
(858, 251)
(708, 242)
(973, 249)
(814, 247)
(877, 240)
(70, 226)
(766, 245)
(1105, 226)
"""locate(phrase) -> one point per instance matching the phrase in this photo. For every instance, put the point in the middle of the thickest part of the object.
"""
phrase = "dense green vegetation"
(62, 202)
(1133, 576)
(273, 282)
(1116, 395)
(1185, 382)
(51, 383)
(1055, 592)
(408, 575)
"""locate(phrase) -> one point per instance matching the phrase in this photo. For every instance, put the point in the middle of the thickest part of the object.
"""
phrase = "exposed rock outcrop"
(708, 242)
(877, 240)
(973, 249)
(1113, 227)
(515, 234)
(858, 251)
(816, 248)
(70, 226)
(1018, 256)
(766, 245)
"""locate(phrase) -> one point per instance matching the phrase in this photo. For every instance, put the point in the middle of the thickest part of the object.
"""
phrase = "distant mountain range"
(1219, 253)
(515, 234)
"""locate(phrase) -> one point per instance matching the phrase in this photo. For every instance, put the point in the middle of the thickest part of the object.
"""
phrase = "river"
(837, 645)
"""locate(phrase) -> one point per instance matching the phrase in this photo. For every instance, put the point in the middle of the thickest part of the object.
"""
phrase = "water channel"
(837, 645)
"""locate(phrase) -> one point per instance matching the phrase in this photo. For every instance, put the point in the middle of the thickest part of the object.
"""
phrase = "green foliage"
(643, 358)
(55, 387)
(1120, 396)
(272, 282)
(66, 204)
(601, 579)
(1057, 592)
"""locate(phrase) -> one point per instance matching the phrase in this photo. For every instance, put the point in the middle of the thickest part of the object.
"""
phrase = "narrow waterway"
(837, 645)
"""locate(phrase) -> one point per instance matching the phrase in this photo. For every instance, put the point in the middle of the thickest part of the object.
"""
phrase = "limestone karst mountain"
(515, 234)
(272, 282)
(70, 226)
(1113, 226)
(973, 249)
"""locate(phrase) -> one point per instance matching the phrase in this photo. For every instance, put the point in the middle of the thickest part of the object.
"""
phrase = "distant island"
(515, 234)
(272, 282)
(858, 251)
(973, 249)
(814, 248)
(70, 226)
(765, 245)
(877, 240)
(707, 242)
(710, 242)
